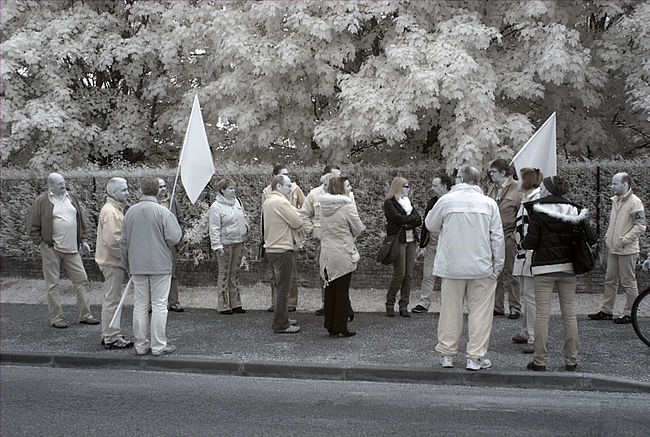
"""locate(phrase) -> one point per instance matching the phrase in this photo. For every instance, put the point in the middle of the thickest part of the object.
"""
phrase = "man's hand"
(44, 245)
(494, 276)
(85, 248)
(220, 252)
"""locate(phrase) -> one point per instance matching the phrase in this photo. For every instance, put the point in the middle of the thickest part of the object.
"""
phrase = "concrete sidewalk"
(611, 357)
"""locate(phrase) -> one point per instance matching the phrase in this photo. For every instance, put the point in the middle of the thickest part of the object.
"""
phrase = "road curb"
(277, 369)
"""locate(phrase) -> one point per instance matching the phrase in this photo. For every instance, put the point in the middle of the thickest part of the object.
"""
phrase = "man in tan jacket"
(283, 234)
(505, 192)
(296, 199)
(108, 258)
(626, 224)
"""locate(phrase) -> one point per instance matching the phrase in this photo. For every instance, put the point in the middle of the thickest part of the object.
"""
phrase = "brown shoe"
(291, 309)
(239, 310)
(61, 324)
(270, 309)
(176, 308)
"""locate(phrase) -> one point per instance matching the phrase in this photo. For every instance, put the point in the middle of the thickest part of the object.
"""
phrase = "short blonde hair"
(395, 189)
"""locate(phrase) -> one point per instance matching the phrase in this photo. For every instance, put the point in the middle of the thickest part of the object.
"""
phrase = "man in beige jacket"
(282, 237)
(296, 199)
(108, 258)
(626, 224)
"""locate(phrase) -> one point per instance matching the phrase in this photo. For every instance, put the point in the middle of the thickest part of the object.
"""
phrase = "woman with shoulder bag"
(551, 237)
(339, 226)
(402, 220)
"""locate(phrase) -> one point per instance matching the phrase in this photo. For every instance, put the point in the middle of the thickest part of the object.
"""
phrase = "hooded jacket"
(228, 223)
(550, 234)
(471, 243)
(340, 225)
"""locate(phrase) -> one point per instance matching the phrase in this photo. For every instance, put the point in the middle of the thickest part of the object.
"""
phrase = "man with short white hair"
(626, 224)
(282, 236)
(108, 258)
(469, 258)
(56, 224)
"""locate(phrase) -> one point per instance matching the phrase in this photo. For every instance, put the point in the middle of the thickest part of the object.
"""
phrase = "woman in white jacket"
(228, 229)
(531, 178)
(340, 225)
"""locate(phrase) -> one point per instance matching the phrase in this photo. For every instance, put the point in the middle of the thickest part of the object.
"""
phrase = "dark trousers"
(402, 273)
(283, 265)
(337, 304)
(173, 288)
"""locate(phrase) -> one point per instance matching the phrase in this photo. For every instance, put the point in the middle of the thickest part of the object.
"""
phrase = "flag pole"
(180, 160)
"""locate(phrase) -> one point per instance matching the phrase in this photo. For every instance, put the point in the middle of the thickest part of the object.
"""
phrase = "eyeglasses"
(405, 186)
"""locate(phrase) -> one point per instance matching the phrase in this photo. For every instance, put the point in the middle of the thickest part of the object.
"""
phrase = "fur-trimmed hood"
(330, 203)
(565, 212)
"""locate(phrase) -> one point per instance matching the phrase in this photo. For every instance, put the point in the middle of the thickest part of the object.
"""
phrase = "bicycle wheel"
(641, 316)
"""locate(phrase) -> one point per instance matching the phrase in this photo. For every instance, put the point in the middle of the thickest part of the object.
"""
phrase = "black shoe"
(419, 309)
(600, 316)
(514, 315)
(350, 316)
(227, 312)
(571, 368)
(346, 334)
(534, 367)
(120, 343)
(623, 320)
(176, 308)
(239, 310)
(499, 313)
(320, 312)
(404, 312)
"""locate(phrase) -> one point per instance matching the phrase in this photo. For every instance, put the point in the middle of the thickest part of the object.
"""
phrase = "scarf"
(405, 203)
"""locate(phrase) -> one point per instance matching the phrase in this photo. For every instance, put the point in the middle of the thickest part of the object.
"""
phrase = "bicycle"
(641, 316)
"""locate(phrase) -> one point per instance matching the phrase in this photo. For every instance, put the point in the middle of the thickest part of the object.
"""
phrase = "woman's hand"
(220, 252)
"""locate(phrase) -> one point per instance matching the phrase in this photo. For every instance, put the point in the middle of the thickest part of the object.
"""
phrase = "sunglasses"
(405, 186)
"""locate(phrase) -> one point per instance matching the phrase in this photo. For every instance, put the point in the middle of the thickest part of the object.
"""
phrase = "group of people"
(517, 240)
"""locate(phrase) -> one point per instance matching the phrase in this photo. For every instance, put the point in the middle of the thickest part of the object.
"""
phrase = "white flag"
(539, 151)
(196, 163)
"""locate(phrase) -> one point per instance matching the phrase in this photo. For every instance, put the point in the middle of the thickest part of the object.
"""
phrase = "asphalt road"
(72, 402)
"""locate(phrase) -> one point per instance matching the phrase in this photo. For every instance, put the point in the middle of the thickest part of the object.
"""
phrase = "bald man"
(626, 224)
(57, 226)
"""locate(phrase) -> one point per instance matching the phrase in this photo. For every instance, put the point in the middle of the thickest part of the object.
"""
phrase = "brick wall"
(369, 274)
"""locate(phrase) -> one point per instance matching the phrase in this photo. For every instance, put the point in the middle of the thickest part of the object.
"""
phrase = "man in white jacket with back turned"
(469, 258)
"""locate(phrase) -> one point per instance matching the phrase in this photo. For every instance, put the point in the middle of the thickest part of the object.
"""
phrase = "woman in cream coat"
(340, 225)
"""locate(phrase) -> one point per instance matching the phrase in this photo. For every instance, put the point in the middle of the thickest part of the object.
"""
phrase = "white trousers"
(480, 295)
(150, 290)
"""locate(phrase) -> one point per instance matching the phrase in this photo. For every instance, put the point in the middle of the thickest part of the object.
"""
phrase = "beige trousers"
(480, 303)
(566, 292)
(228, 281)
(508, 284)
(74, 268)
(620, 270)
(113, 288)
(150, 290)
(428, 279)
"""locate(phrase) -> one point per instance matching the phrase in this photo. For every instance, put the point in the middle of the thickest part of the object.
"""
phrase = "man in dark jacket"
(57, 226)
(440, 185)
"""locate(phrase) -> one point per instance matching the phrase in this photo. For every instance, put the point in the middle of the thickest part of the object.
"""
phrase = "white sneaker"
(481, 363)
(447, 361)
(292, 329)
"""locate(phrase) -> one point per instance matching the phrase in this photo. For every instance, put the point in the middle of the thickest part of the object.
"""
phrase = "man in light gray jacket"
(149, 231)
(469, 258)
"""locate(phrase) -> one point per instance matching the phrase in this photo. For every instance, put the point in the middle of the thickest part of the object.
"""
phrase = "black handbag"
(584, 259)
(389, 250)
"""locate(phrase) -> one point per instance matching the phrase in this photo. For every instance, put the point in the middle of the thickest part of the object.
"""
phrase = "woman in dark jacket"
(403, 220)
(553, 220)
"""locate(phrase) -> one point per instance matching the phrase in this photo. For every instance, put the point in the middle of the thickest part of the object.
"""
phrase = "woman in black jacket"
(403, 220)
(551, 236)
